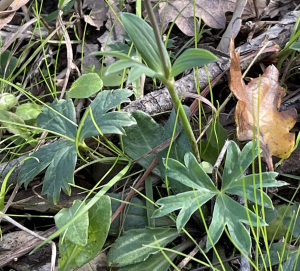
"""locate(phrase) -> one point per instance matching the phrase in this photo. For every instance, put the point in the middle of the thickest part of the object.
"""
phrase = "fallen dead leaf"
(257, 108)
(212, 12)
(98, 15)
(7, 15)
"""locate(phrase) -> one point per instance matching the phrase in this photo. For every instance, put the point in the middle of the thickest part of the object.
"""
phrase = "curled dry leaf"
(257, 109)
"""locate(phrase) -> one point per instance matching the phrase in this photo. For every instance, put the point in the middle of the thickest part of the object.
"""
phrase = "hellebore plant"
(148, 42)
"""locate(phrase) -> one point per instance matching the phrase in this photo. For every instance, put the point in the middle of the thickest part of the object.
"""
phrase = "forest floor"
(97, 153)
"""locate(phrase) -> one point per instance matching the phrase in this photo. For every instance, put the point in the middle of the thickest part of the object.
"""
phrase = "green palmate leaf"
(227, 212)
(85, 86)
(188, 202)
(247, 183)
(107, 122)
(192, 58)
(236, 163)
(61, 156)
(10, 121)
(131, 247)
(191, 174)
(140, 140)
(72, 255)
(7, 101)
(77, 233)
(135, 218)
(60, 118)
(60, 172)
(143, 38)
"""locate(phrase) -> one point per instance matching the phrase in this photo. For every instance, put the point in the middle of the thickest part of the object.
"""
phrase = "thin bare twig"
(218, 163)
(146, 173)
(69, 54)
(186, 260)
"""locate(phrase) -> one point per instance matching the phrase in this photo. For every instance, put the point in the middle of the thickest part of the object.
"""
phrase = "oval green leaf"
(192, 58)
(77, 233)
(85, 86)
(111, 79)
(28, 111)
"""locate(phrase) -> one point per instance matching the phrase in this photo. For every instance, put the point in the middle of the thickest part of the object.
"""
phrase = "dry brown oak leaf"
(265, 92)
(212, 12)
